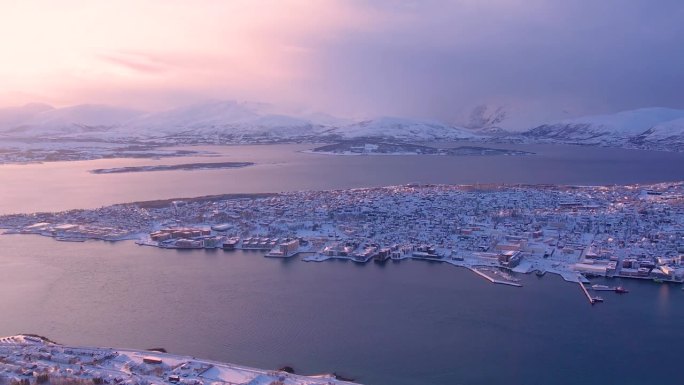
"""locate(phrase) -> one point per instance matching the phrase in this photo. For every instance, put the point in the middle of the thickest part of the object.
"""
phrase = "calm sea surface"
(411, 322)
(66, 185)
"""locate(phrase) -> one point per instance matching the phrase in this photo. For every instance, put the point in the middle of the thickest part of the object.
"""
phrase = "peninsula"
(577, 232)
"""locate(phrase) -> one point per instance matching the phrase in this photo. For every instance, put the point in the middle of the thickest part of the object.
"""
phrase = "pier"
(493, 280)
(592, 300)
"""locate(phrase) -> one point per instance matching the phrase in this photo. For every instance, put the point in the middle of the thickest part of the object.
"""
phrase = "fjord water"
(408, 322)
(66, 185)
(398, 323)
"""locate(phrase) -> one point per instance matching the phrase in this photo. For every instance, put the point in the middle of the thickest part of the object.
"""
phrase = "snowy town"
(577, 232)
(29, 359)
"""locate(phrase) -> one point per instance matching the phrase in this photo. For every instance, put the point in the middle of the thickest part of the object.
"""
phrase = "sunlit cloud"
(431, 58)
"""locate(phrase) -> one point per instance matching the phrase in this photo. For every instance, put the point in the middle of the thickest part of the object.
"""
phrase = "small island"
(378, 147)
(172, 167)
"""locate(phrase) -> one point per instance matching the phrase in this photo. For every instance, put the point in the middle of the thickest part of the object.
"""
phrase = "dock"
(592, 300)
(493, 280)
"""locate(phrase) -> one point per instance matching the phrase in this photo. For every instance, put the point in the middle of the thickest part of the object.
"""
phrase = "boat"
(231, 243)
(621, 290)
(602, 288)
(540, 273)
(596, 299)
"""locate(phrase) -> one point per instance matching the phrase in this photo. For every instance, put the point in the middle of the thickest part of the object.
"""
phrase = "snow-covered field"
(33, 358)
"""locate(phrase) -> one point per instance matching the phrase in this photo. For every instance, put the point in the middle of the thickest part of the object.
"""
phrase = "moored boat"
(621, 290)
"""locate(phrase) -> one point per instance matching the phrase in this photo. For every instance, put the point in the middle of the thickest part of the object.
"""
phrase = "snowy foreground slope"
(35, 359)
(648, 127)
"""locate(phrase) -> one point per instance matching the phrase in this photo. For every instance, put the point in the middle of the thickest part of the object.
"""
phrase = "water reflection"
(664, 299)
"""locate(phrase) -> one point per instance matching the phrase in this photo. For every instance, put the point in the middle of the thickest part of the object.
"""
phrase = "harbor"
(592, 299)
(497, 231)
(238, 285)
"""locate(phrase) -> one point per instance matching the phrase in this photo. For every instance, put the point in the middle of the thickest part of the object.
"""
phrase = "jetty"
(592, 300)
(491, 279)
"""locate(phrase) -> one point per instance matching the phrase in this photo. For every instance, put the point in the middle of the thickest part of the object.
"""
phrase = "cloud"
(542, 59)
(134, 62)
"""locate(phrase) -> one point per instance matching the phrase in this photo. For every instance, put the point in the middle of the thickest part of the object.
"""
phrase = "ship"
(596, 299)
(621, 290)
(602, 288)
(618, 289)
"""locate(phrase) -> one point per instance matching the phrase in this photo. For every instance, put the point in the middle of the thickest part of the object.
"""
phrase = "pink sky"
(421, 58)
(156, 53)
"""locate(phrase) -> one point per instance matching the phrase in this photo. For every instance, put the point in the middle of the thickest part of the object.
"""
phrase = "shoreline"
(107, 364)
(173, 167)
(569, 230)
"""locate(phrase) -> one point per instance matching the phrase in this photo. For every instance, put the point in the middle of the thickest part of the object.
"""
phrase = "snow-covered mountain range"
(402, 129)
(237, 122)
(12, 117)
(216, 121)
(645, 127)
(220, 119)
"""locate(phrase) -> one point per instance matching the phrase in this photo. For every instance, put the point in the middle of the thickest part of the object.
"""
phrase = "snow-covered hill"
(220, 118)
(402, 129)
(237, 122)
(11, 117)
(670, 133)
(69, 121)
(613, 129)
(212, 122)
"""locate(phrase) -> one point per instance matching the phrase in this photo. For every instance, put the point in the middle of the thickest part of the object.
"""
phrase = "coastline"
(36, 356)
(564, 230)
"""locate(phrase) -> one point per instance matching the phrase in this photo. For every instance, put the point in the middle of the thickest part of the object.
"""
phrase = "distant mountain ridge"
(651, 127)
(15, 116)
(219, 118)
(214, 121)
(220, 122)
(403, 129)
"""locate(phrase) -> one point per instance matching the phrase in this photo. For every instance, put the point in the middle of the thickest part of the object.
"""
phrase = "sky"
(541, 60)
